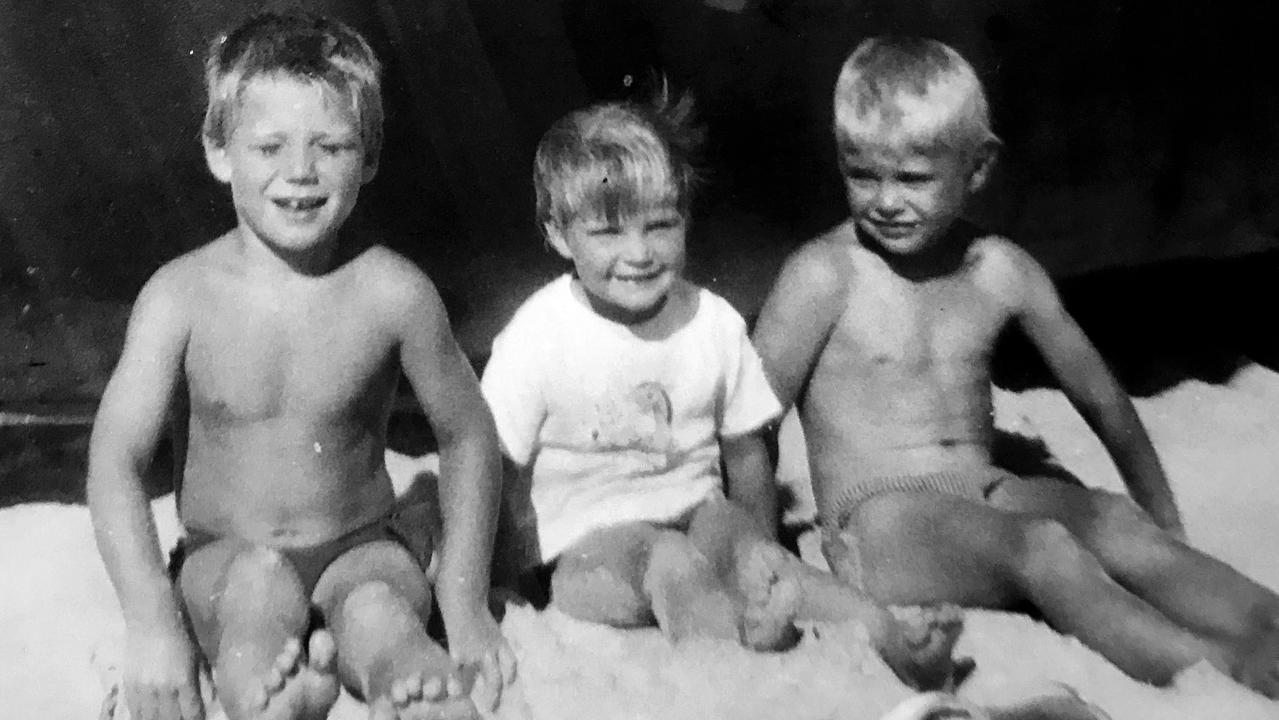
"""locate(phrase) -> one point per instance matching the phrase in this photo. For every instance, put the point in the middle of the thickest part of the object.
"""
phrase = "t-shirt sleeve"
(749, 401)
(511, 386)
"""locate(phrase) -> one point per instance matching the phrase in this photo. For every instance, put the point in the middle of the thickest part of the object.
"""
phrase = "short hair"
(295, 44)
(616, 158)
(914, 90)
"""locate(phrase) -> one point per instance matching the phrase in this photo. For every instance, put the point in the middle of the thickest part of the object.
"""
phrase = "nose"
(888, 200)
(299, 164)
(636, 248)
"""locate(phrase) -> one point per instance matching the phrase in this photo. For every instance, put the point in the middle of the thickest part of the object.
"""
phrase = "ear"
(370, 170)
(983, 165)
(555, 237)
(217, 160)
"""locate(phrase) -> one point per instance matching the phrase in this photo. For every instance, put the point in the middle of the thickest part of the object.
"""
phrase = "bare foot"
(297, 686)
(1258, 668)
(421, 688)
(772, 598)
(920, 644)
(688, 599)
(1062, 703)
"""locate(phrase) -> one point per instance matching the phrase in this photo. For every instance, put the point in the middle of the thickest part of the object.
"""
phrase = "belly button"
(945, 442)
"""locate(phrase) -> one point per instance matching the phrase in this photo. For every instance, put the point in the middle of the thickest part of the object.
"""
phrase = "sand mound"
(63, 632)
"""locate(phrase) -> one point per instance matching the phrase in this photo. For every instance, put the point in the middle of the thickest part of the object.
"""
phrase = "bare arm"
(130, 419)
(470, 478)
(801, 310)
(1094, 392)
(750, 478)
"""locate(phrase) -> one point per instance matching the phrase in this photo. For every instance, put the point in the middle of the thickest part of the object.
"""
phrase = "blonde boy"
(277, 347)
(882, 330)
(620, 390)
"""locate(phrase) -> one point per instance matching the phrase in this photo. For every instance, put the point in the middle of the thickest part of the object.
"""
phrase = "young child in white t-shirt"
(632, 408)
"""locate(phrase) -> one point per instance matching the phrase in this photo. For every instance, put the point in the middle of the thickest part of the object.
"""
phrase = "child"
(620, 390)
(882, 332)
(278, 348)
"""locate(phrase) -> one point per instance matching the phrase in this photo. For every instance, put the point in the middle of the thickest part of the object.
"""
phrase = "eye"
(915, 178)
(270, 149)
(337, 148)
(603, 230)
(859, 174)
(662, 224)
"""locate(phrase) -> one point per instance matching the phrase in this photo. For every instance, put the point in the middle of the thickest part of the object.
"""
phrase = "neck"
(945, 256)
(317, 260)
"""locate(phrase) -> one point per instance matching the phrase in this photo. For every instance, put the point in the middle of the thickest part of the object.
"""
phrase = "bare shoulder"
(180, 284)
(395, 284)
(824, 265)
(1007, 270)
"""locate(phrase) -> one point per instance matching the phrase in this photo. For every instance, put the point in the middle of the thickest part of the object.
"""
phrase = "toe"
(321, 651)
(432, 689)
(383, 710)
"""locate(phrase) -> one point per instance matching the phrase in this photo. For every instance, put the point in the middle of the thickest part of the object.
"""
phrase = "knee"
(260, 571)
(260, 579)
(1118, 515)
(1048, 547)
(597, 593)
(371, 603)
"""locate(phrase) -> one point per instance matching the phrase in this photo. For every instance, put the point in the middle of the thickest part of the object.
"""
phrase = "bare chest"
(251, 358)
(940, 330)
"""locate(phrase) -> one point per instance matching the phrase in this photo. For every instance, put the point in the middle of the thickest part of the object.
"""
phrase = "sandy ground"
(62, 632)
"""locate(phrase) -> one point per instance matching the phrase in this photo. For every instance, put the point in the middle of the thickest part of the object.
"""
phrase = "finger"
(506, 660)
(142, 704)
(487, 691)
(109, 702)
(190, 703)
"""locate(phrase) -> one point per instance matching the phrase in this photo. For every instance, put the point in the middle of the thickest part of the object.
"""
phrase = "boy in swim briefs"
(277, 349)
(881, 331)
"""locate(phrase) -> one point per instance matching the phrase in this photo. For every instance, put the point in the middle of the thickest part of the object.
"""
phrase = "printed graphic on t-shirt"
(637, 420)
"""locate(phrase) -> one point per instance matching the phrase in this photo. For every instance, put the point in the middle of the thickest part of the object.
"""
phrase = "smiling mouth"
(649, 277)
(893, 230)
(300, 204)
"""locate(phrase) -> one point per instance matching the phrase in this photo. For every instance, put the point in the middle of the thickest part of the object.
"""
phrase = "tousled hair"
(616, 159)
(294, 44)
(914, 90)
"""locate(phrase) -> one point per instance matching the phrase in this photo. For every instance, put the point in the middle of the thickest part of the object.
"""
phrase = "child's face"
(903, 199)
(626, 266)
(295, 162)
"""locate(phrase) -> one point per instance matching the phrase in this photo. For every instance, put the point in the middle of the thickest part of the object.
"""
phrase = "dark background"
(1140, 160)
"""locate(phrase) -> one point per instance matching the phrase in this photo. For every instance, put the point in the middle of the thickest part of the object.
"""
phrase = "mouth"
(893, 230)
(638, 279)
(303, 204)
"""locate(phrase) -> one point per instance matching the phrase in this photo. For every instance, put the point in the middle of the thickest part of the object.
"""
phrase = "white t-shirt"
(611, 427)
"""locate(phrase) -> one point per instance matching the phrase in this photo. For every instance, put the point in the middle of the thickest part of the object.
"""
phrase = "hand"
(161, 676)
(478, 645)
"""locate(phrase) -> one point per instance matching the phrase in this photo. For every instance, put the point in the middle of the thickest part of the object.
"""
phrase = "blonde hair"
(616, 159)
(914, 91)
(294, 44)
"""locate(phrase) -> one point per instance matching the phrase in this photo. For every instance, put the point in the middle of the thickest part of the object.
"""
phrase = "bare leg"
(760, 570)
(1194, 589)
(250, 615)
(636, 574)
(919, 548)
(780, 588)
(376, 599)
(1200, 593)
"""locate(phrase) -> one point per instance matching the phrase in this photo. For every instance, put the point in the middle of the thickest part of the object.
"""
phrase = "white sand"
(62, 634)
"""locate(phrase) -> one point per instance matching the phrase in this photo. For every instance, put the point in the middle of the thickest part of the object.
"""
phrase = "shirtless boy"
(620, 390)
(882, 330)
(276, 349)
